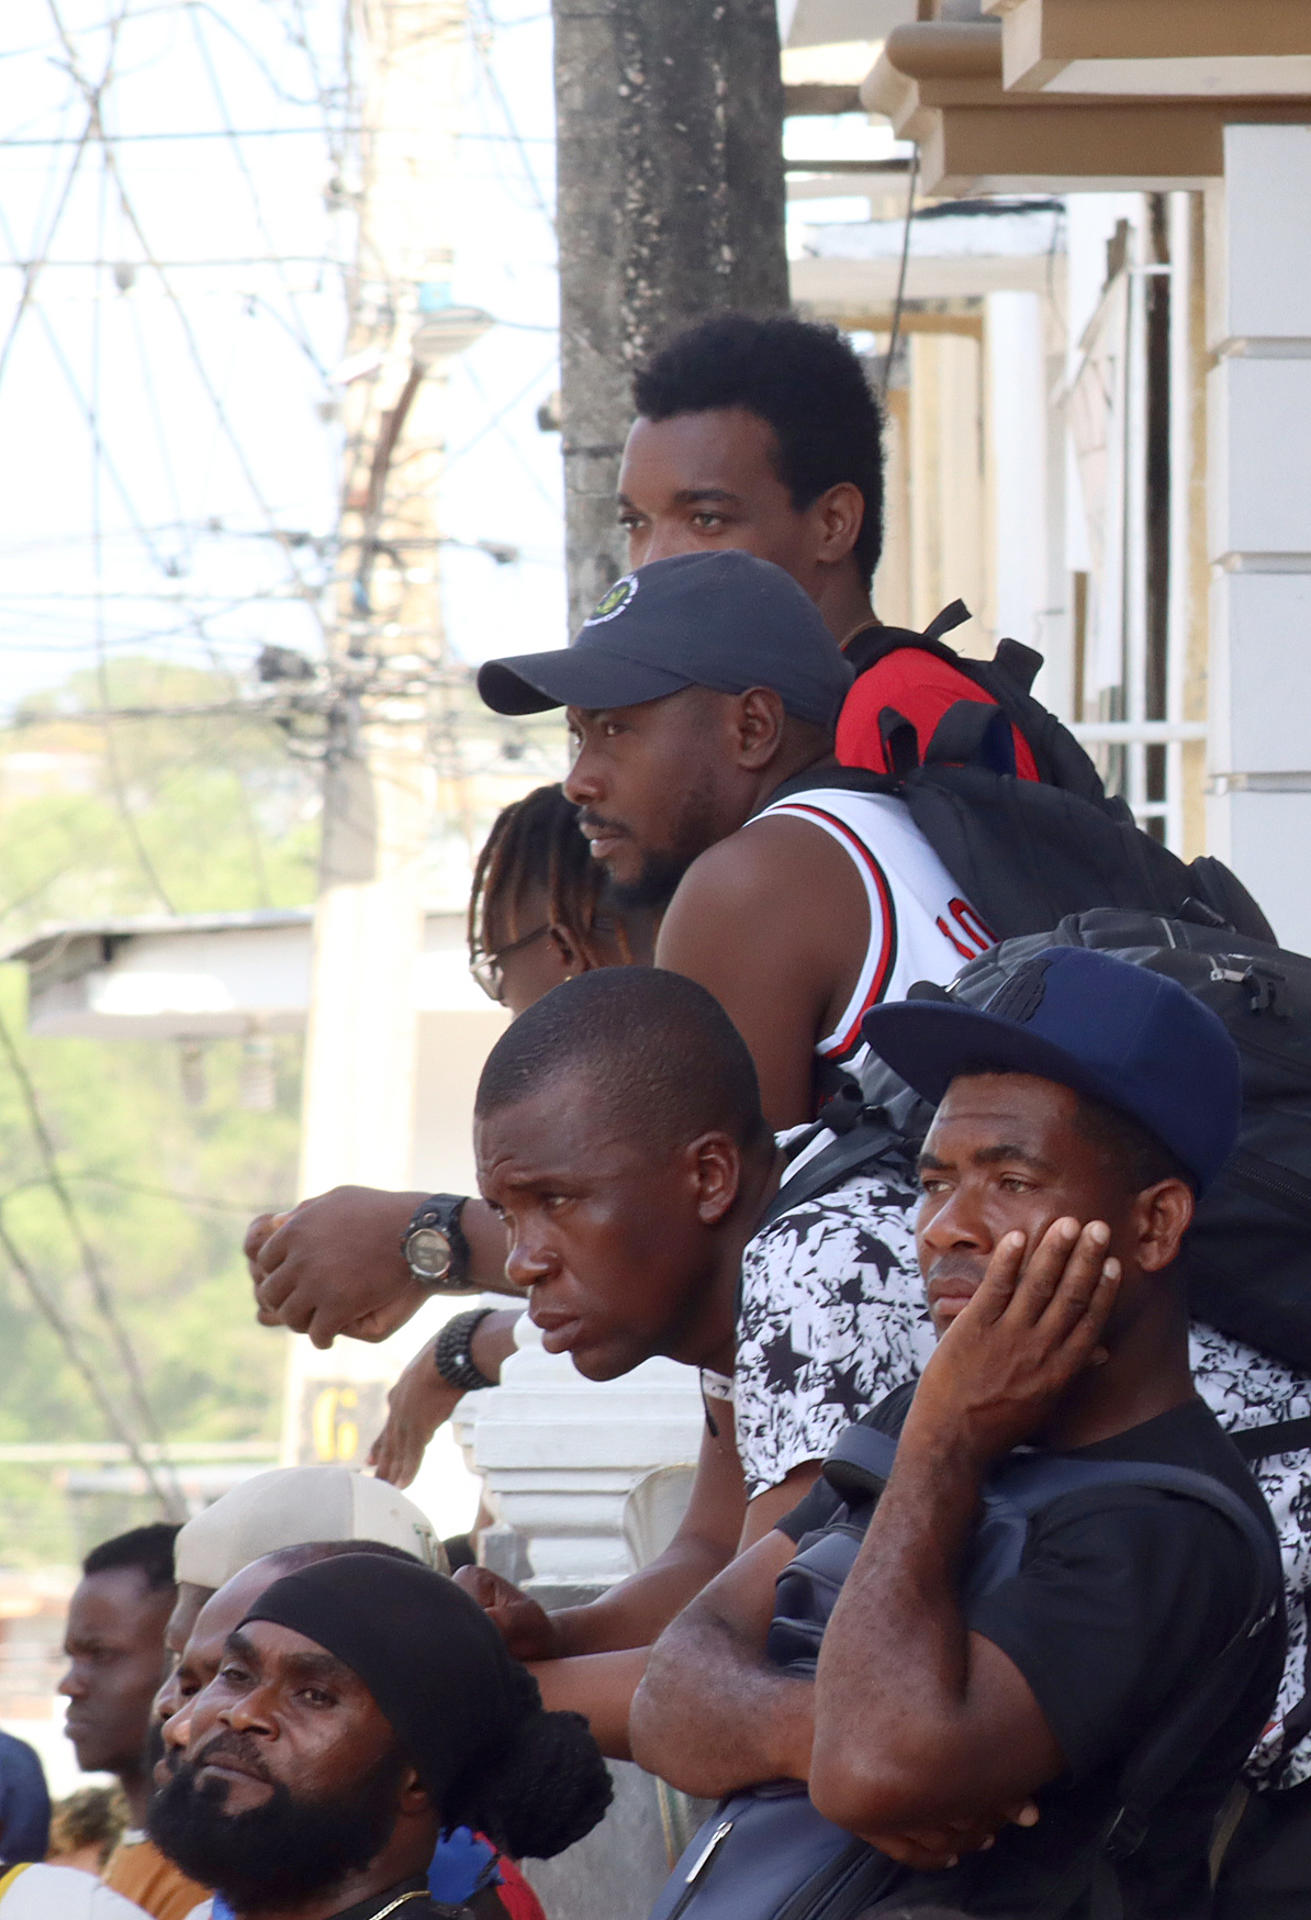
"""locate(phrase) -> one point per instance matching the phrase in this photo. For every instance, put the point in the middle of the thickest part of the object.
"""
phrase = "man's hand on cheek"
(1034, 1324)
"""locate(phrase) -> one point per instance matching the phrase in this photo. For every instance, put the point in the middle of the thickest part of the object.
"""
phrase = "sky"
(173, 318)
(172, 315)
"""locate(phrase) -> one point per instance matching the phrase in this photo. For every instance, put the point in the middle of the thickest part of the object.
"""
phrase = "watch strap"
(452, 1351)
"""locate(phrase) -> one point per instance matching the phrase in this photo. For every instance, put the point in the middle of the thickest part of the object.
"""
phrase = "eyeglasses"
(488, 969)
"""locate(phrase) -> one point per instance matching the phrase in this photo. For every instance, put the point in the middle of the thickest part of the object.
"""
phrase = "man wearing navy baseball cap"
(701, 695)
(1079, 1114)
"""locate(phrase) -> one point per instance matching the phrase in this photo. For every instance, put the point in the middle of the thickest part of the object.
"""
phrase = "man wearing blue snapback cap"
(1079, 1115)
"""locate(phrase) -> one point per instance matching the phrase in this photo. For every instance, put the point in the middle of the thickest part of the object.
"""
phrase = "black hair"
(808, 386)
(149, 1549)
(535, 842)
(657, 1054)
(1137, 1155)
(549, 1788)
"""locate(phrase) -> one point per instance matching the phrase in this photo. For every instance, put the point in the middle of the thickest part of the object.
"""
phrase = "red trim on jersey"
(861, 854)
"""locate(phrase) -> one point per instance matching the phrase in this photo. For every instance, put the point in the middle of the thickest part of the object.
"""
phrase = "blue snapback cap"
(727, 621)
(1122, 1034)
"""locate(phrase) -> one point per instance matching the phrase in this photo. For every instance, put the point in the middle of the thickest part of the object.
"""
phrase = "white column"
(1259, 402)
(560, 1456)
(1017, 383)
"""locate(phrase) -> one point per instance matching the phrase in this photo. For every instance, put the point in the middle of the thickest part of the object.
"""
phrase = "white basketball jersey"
(920, 926)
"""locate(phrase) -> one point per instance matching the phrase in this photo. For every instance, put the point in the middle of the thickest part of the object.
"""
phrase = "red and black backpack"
(1008, 799)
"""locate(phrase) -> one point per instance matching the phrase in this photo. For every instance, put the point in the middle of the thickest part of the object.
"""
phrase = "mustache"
(239, 1747)
(599, 824)
(956, 1266)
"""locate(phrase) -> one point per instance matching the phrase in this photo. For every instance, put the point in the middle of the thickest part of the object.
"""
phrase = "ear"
(572, 958)
(1161, 1216)
(758, 722)
(715, 1162)
(414, 1800)
(839, 515)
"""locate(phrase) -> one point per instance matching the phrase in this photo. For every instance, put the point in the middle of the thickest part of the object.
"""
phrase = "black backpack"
(1247, 1257)
(1025, 855)
(766, 1854)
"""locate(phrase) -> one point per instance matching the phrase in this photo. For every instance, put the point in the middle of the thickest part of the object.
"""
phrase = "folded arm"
(711, 1714)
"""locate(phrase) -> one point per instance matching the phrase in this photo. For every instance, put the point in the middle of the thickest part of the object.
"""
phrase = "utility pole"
(388, 649)
(670, 194)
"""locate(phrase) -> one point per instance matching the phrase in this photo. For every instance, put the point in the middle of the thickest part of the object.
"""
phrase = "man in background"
(117, 1663)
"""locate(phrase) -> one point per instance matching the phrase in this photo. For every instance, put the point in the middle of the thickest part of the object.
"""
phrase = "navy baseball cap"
(1121, 1034)
(721, 620)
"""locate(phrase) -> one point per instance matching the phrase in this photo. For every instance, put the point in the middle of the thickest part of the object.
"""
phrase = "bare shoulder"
(765, 861)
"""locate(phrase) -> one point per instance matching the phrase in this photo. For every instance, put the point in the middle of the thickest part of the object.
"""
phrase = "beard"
(656, 884)
(694, 828)
(286, 1850)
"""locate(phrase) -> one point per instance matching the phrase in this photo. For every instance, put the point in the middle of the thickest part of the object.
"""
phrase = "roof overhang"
(941, 85)
(808, 23)
(208, 977)
(851, 273)
(1260, 49)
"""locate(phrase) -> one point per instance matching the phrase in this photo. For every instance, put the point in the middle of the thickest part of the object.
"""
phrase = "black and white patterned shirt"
(833, 1317)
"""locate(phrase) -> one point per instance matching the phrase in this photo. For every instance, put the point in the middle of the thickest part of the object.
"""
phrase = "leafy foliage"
(162, 1187)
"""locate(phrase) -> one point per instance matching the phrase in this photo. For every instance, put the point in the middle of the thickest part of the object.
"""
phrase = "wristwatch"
(434, 1245)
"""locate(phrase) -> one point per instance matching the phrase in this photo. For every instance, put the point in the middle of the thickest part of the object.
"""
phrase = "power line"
(188, 333)
(257, 208)
(172, 133)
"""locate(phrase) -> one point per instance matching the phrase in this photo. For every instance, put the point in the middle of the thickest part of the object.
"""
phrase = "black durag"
(433, 1661)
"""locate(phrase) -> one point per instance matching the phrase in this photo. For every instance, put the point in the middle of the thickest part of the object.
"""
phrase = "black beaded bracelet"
(453, 1351)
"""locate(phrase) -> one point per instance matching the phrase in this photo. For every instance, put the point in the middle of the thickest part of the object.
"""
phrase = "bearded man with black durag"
(362, 1706)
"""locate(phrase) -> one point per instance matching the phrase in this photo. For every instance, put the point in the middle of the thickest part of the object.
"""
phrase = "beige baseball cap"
(291, 1506)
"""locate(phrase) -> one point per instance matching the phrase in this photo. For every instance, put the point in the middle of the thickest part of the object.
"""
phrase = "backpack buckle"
(1125, 1834)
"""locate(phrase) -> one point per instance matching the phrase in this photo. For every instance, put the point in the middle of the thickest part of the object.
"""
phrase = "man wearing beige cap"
(286, 1507)
(289, 1507)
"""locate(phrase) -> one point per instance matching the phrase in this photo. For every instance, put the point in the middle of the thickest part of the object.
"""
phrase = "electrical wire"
(899, 303)
(493, 82)
(118, 784)
(299, 329)
(188, 333)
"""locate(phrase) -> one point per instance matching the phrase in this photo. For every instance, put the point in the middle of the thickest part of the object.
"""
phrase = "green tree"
(211, 813)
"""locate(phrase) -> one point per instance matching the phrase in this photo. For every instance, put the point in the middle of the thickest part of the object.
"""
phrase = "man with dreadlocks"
(538, 915)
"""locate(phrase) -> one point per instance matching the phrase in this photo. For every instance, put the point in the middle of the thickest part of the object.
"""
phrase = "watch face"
(429, 1253)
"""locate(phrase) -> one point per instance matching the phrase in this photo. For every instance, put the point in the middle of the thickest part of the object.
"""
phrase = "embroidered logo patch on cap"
(613, 601)
(1020, 997)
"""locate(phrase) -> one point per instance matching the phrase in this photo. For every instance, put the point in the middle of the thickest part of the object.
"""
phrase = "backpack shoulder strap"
(1019, 663)
(867, 1139)
(1280, 1436)
(973, 733)
(860, 1459)
(874, 642)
